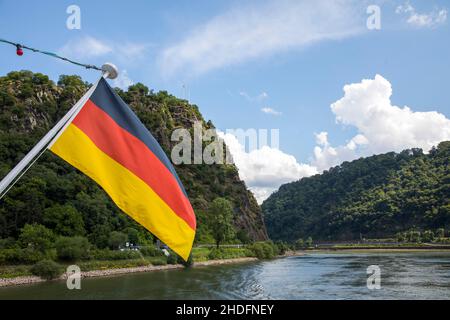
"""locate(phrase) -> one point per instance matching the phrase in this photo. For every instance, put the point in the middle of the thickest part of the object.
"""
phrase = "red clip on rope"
(19, 50)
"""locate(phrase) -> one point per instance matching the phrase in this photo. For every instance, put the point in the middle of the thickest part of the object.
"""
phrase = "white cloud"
(382, 126)
(271, 111)
(85, 47)
(90, 47)
(263, 29)
(130, 51)
(123, 81)
(260, 97)
(421, 20)
(322, 138)
(266, 168)
(263, 96)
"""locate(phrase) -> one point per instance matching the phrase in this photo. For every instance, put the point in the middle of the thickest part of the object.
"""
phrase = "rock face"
(30, 104)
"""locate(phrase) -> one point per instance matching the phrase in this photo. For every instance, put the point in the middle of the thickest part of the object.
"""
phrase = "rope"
(51, 54)
(54, 55)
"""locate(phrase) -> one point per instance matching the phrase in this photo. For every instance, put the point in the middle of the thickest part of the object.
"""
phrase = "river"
(343, 275)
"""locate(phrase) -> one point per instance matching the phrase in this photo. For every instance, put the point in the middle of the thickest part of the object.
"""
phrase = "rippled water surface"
(313, 276)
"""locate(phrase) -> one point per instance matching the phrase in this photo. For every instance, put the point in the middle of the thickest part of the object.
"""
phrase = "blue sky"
(289, 58)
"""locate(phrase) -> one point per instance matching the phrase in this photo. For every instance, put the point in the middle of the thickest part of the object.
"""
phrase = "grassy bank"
(12, 271)
(120, 260)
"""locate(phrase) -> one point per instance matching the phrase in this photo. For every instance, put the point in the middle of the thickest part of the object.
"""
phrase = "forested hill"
(59, 197)
(372, 197)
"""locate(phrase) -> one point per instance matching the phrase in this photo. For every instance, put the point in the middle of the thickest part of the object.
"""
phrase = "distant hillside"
(30, 104)
(376, 196)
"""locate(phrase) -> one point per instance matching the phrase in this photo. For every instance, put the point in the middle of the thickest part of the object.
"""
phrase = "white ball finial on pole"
(110, 71)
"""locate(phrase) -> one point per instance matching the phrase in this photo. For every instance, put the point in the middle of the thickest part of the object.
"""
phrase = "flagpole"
(109, 71)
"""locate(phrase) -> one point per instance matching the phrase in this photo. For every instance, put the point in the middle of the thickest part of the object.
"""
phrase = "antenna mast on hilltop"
(186, 92)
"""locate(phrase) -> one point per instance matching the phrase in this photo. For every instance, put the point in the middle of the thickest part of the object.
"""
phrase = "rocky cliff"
(30, 104)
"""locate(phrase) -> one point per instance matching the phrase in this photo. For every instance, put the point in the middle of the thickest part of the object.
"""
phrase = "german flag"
(107, 142)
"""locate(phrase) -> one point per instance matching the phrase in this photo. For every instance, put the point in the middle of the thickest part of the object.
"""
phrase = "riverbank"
(378, 250)
(423, 247)
(24, 280)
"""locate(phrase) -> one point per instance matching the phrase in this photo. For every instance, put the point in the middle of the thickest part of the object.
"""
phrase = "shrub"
(281, 247)
(428, 236)
(24, 256)
(299, 244)
(215, 254)
(263, 250)
(173, 258)
(106, 254)
(443, 240)
(7, 243)
(228, 253)
(415, 236)
(151, 251)
(72, 248)
(440, 233)
(158, 261)
(401, 237)
(46, 269)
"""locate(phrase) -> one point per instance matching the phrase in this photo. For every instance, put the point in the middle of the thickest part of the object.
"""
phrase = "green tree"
(72, 248)
(414, 236)
(428, 236)
(281, 247)
(221, 218)
(308, 242)
(64, 220)
(243, 236)
(145, 238)
(117, 239)
(440, 233)
(37, 237)
(133, 235)
(400, 237)
(100, 236)
(299, 244)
